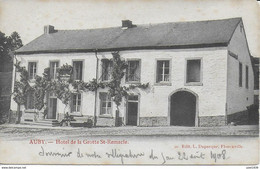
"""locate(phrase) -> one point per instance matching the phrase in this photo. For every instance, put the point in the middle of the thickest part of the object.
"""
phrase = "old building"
(199, 73)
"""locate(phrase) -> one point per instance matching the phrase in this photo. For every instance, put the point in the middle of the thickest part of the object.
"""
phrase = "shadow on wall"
(253, 114)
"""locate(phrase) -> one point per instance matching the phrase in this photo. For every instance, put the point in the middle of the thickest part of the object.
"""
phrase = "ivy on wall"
(22, 87)
(64, 85)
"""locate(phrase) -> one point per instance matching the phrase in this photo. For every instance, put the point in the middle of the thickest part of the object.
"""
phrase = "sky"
(28, 17)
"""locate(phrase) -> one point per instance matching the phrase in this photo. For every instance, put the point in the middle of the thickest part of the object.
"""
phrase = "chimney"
(127, 24)
(48, 29)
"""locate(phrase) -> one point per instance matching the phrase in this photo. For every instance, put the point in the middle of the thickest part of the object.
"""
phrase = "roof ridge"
(150, 24)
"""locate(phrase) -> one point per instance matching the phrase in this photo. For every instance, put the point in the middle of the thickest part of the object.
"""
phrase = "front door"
(132, 110)
(52, 108)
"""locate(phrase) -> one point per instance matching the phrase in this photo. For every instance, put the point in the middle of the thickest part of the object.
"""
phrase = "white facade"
(236, 94)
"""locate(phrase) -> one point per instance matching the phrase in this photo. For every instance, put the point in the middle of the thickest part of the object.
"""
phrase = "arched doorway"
(183, 106)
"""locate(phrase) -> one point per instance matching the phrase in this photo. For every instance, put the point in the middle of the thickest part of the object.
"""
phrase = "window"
(77, 70)
(106, 69)
(30, 100)
(32, 70)
(247, 77)
(193, 71)
(105, 104)
(133, 71)
(53, 69)
(163, 71)
(240, 74)
(76, 102)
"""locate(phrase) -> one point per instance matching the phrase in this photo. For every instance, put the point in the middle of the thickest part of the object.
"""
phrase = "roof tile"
(170, 35)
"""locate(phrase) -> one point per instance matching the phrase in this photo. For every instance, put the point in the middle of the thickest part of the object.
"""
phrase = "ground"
(24, 132)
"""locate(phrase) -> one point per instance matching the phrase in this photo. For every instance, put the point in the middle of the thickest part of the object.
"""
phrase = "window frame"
(109, 65)
(82, 70)
(127, 69)
(54, 61)
(167, 83)
(36, 69)
(100, 105)
(186, 71)
(71, 104)
(247, 77)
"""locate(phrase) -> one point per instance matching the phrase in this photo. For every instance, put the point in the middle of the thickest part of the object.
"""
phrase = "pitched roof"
(152, 36)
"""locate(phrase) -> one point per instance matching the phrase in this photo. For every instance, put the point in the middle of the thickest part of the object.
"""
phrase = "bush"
(4, 111)
(88, 124)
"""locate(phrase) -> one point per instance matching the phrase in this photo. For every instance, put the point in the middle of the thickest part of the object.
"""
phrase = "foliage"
(62, 91)
(66, 120)
(64, 88)
(14, 41)
(65, 70)
(22, 87)
(4, 46)
(46, 74)
(88, 124)
(116, 91)
(39, 92)
(141, 86)
(92, 85)
(8, 44)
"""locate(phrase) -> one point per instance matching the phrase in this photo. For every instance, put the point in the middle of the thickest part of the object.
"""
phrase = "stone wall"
(210, 121)
(153, 121)
(105, 121)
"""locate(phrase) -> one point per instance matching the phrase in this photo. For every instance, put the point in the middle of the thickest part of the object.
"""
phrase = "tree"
(4, 47)
(14, 41)
(116, 91)
(8, 44)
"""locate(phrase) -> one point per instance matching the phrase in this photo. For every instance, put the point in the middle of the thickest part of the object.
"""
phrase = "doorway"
(132, 110)
(183, 109)
(52, 107)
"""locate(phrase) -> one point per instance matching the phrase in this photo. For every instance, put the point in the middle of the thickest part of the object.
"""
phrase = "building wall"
(89, 72)
(154, 101)
(238, 98)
